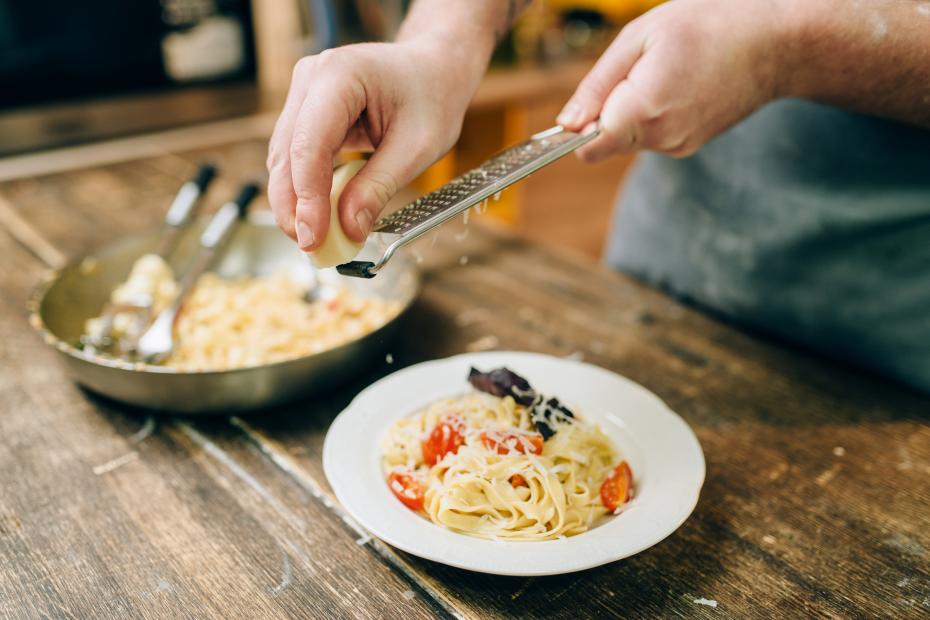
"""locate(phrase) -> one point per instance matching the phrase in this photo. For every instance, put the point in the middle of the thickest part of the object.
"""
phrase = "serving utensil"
(138, 308)
(157, 342)
(475, 186)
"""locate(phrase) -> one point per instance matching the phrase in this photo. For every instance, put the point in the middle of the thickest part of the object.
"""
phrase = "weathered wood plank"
(809, 497)
(816, 498)
(189, 521)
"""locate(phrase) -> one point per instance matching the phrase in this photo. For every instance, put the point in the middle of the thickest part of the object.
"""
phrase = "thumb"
(393, 165)
(621, 129)
(610, 69)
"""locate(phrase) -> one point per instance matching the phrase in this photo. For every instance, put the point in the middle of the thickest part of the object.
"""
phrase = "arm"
(870, 57)
(405, 100)
(686, 71)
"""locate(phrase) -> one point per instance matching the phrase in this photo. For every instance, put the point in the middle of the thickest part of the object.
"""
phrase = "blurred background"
(103, 80)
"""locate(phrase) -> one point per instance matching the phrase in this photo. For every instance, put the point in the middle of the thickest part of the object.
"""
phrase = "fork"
(180, 214)
(157, 343)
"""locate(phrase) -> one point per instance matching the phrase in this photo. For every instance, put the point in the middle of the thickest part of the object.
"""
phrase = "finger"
(394, 164)
(329, 110)
(621, 127)
(281, 195)
(612, 67)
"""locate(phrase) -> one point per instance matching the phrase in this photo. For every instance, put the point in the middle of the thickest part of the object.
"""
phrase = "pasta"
(249, 321)
(485, 465)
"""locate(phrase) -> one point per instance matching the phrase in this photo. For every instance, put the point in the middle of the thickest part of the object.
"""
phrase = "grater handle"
(368, 269)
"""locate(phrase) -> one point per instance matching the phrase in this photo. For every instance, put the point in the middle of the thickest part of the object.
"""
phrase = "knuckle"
(303, 66)
(675, 143)
(305, 194)
(684, 149)
(623, 137)
(595, 86)
(650, 104)
(331, 59)
(327, 55)
(301, 143)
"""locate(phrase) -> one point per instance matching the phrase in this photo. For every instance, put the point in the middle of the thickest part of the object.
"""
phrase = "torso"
(804, 220)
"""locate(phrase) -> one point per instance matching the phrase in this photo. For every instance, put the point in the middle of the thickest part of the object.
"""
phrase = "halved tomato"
(447, 437)
(617, 489)
(508, 442)
(517, 480)
(407, 489)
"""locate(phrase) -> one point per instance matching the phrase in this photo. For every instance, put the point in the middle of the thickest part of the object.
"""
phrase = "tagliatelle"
(495, 477)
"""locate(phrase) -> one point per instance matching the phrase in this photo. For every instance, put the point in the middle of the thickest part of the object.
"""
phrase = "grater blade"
(501, 171)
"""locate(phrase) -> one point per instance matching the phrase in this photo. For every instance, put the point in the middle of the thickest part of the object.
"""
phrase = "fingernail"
(570, 115)
(304, 235)
(363, 219)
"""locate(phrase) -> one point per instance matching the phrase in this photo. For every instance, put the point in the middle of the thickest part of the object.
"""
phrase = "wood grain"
(785, 526)
(816, 502)
(189, 521)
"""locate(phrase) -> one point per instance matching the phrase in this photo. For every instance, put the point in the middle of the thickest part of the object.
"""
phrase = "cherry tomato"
(445, 438)
(407, 489)
(618, 487)
(504, 442)
(517, 480)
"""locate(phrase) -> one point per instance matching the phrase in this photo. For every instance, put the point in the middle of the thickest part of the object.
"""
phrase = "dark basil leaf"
(503, 382)
(547, 414)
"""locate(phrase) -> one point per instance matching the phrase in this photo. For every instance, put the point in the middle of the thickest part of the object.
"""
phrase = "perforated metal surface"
(492, 177)
(476, 185)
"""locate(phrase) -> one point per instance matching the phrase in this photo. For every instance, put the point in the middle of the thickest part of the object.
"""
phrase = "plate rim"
(399, 542)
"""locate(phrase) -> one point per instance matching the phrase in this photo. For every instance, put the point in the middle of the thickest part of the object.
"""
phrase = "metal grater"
(426, 213)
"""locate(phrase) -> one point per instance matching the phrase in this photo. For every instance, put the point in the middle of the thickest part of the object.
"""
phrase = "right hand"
(399, 99)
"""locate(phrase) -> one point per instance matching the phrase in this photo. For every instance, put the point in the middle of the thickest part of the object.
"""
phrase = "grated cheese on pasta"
(470, 490)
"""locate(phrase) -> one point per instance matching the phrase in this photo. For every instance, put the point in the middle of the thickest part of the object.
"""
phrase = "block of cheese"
(337, 248)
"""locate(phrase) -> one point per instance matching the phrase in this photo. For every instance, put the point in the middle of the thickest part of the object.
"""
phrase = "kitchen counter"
(816, 501)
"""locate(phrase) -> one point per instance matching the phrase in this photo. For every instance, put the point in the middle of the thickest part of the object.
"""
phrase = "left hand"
(679, 75)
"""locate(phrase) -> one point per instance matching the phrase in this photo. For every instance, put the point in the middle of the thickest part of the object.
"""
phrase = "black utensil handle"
(188, 200)
(246, 195)
(205, 174)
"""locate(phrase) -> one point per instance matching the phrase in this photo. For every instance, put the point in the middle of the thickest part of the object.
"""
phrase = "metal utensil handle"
(179, 215)
(217, 232)
(184, 207)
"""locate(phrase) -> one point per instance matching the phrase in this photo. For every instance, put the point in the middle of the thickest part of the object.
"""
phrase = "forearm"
(871, 56)
(464, 31)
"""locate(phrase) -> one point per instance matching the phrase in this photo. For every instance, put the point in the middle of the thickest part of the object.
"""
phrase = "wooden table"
(816, 501)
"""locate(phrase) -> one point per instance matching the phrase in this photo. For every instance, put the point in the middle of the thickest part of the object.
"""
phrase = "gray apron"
(805, 221)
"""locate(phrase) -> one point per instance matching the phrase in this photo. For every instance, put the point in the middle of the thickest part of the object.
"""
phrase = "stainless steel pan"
(67, 298)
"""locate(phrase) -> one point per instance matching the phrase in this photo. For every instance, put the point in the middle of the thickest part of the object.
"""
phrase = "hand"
(399, 99)
(679, 75)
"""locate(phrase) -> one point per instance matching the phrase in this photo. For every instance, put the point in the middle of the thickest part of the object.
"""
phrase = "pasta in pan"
(247, 321)
(489, 466)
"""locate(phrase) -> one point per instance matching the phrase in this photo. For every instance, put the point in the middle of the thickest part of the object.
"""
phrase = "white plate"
(665, 456)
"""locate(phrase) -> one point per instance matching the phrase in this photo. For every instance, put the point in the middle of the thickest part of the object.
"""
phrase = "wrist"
(470, 53)
(459, 37)
(461, 66)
